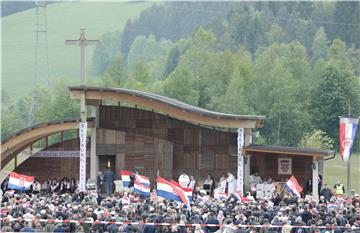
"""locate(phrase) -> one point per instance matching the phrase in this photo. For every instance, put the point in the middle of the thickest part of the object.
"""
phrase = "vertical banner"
(82, 169)
(348, 128)
(240, 169)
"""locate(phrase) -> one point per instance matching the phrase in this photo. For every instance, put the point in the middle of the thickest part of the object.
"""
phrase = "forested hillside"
(296, 62)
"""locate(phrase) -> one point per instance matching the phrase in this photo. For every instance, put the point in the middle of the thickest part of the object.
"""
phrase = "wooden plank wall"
(44, 168)
(147, 142)
(266, 165)
(155, 141)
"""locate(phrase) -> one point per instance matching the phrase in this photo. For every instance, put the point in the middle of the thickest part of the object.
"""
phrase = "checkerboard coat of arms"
(284, 166)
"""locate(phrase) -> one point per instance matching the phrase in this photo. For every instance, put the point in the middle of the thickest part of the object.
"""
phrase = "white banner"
(82, 169)
(240, 169)
(284, 166)
(57, 154)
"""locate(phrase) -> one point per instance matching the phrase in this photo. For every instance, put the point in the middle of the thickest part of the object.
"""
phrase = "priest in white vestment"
(184, 180)
(231, 183)
(260, 192)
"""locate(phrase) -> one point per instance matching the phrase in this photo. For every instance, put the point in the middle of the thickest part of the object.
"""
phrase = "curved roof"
(26, 137)
(172, 107)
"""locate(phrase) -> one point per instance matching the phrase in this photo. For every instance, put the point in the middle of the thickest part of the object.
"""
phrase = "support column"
(315, 177)
(94, 160)
(248, 141)
(321, 169)
(119, 163)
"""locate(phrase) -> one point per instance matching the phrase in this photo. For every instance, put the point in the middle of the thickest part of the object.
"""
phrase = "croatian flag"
(188, 191)
(142, 185)
(238, 197)
(125, 177)
(20, 182)
(221, 196)
(331, 206)
(348, 128)
(169, 191)
(292, 186)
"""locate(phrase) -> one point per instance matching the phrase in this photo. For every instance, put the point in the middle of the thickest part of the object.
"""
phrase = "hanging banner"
(58, 154)
(284, 166)
(348, 128)
(240, 169)
(82, 169)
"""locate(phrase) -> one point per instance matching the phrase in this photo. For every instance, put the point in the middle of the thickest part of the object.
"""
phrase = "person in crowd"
(73, 185)
(222, 184)
(192, 183)
(132, 180)
(339, 188)
(208, 185)
(254, 179)
(320, 183)
(184, 179)
(286, 214)
(109, 179)
(268, 188)
(230, 183)
(308, 186)
(326, 192)
(36, 187)
(260, 191)
(99, 182)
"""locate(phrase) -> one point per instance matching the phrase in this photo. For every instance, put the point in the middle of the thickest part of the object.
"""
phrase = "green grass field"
(64, 21)
(336, 169)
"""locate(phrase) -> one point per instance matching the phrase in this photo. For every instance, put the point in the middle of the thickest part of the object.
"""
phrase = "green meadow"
(336, 169)
(64, 21)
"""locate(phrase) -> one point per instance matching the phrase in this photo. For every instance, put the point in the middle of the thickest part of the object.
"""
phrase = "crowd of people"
(90, 212)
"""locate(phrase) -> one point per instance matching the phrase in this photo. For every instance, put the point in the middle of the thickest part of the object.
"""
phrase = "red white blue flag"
(20, 182)
(170, 191)
(188, 191)
(142, 185)
(292, 186)
(125, 177)
(239, 197)
(348, 128)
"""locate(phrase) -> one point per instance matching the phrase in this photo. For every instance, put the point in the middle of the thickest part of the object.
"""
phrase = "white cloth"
(184, 180)
(268, 188)
(231, 184)
(222, 185)
(260, 192)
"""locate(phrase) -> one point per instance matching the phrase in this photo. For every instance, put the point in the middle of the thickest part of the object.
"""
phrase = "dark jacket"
(108, 176)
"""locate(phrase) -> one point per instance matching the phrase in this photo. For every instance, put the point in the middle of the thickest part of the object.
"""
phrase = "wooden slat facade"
(44, 168)
(266, 165)
(153, 142)
(149, 142)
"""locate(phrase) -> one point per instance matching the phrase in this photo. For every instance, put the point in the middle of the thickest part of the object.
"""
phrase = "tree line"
(296, 62)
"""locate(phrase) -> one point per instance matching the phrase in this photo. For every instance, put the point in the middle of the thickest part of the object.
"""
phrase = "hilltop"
(63, 22)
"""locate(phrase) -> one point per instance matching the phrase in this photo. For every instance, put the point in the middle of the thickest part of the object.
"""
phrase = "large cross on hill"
(82, 42)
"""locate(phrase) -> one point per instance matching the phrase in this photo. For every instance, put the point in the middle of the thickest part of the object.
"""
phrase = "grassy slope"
(64, 21)
(336, 169)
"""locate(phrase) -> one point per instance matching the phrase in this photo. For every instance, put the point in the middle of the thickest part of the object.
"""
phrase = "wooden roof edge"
(288, 150)
(55, 122)
(174, 103)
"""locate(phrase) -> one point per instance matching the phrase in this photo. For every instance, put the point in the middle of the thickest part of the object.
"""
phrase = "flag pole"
(348, 185)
